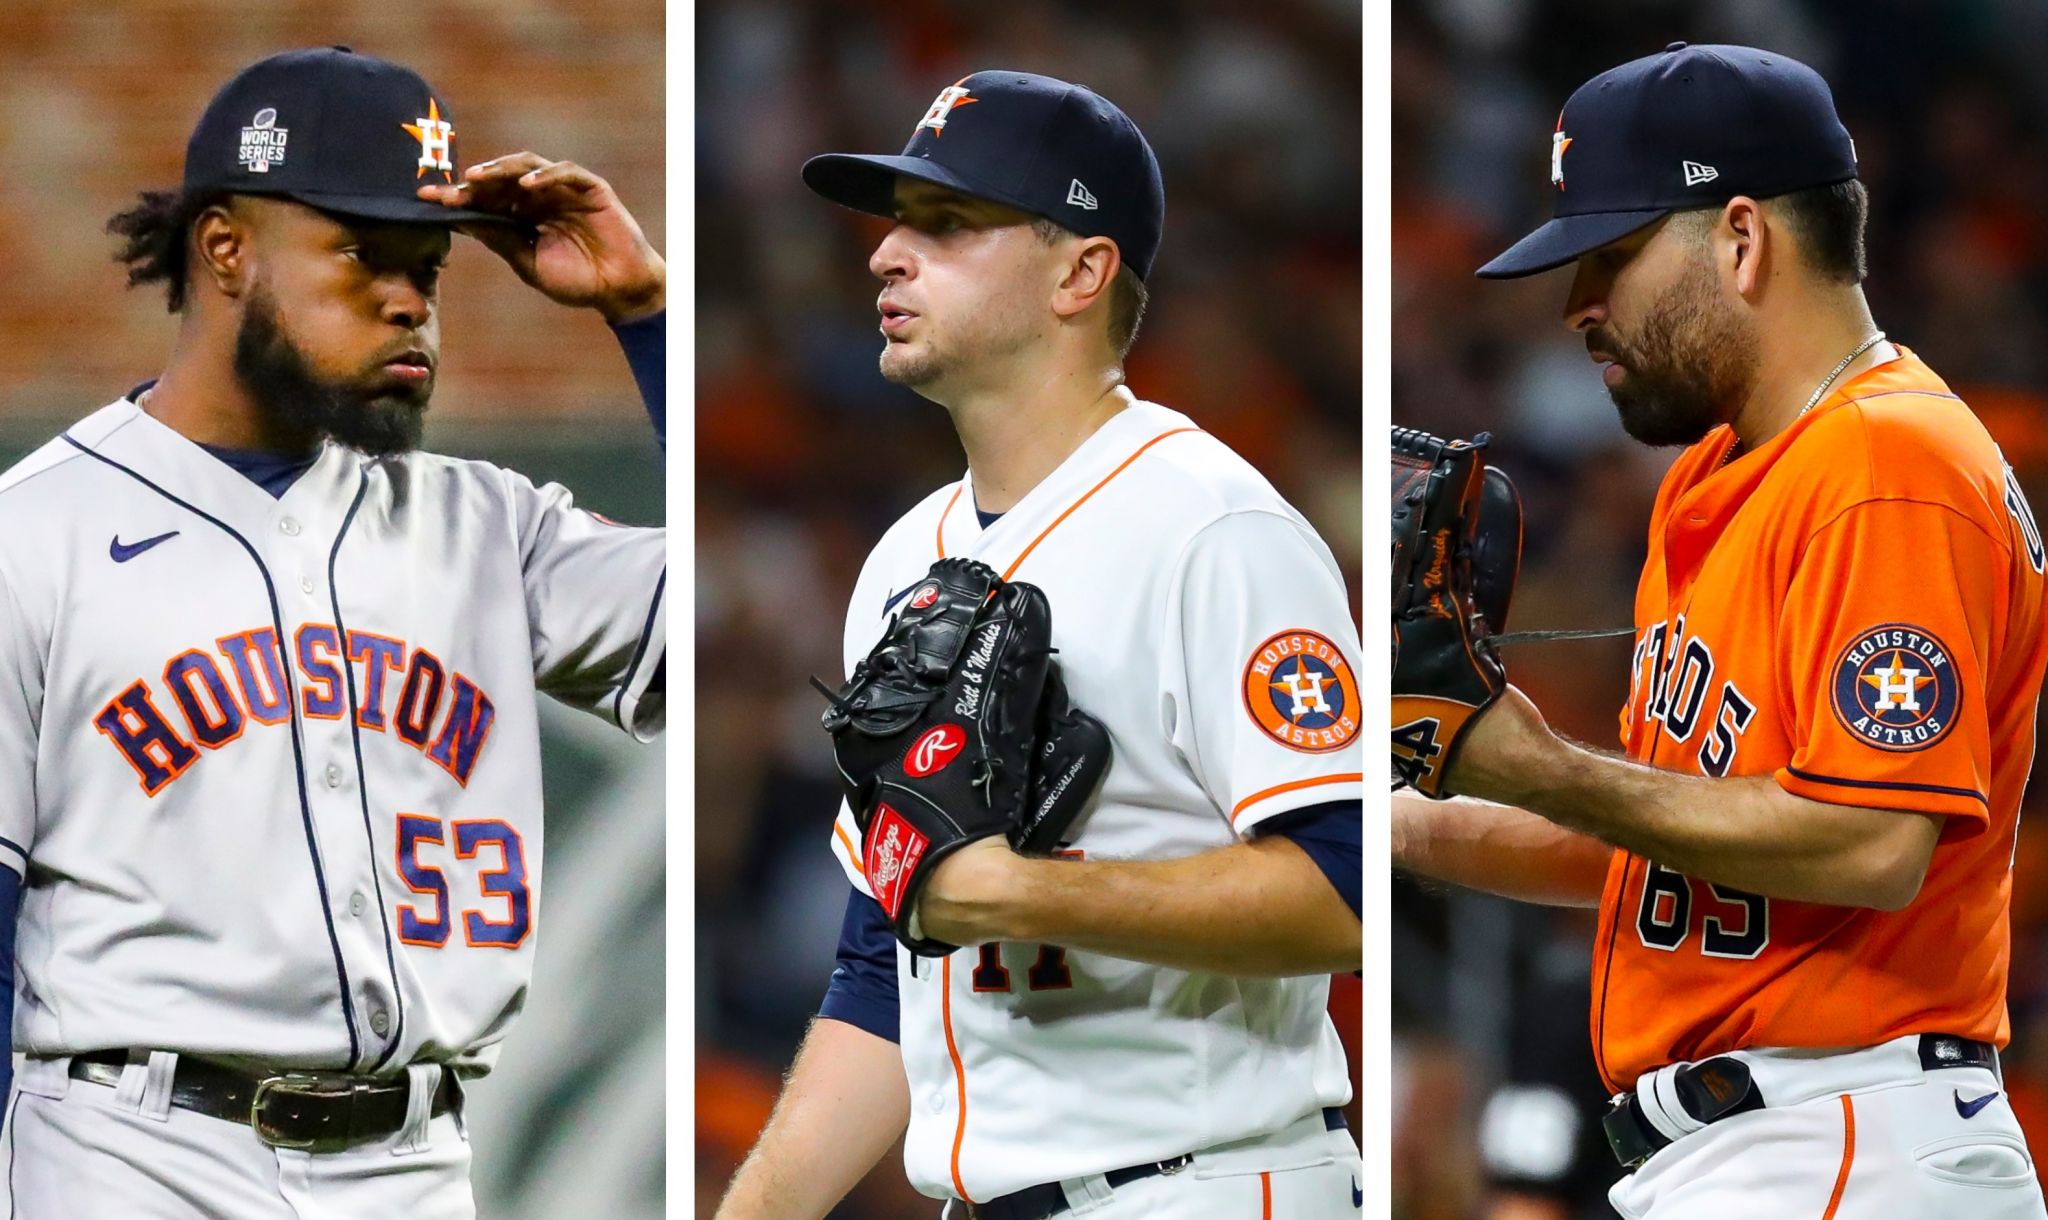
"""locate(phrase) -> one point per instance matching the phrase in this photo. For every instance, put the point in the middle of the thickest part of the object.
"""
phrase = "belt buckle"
(299, 1084)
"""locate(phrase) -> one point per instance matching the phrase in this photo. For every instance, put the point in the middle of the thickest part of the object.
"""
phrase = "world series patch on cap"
(1037, 144)
(346, 133)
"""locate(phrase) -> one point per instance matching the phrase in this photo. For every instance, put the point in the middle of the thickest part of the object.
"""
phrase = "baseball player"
(270, 803)
(1802, 864)
(1139, 1028)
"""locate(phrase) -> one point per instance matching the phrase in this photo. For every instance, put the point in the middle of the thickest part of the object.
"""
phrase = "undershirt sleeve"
(863, 987)
(1332, 834)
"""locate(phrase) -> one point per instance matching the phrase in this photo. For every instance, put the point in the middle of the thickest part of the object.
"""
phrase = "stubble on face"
(377, 419)
(1688, 366)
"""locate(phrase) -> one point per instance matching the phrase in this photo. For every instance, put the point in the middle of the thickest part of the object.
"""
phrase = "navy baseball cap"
(1691, 127)
(346, 133)
(1040, 145)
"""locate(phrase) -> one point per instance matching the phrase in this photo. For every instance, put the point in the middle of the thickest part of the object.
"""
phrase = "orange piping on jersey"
(1348, 777)
(846, 841)
(1848, 1155)
(959, 1070)
(1265, 1196)
(939, 535)
(1091, 491)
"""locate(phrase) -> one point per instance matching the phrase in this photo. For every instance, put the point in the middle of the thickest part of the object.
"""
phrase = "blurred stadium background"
(1495, 1095)
(96, 101)
(805, 454)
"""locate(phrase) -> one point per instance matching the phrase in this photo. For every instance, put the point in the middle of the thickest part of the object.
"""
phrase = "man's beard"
(1688, 369)
(299, 400)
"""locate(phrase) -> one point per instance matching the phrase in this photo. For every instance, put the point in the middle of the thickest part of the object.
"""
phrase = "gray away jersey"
(271, 766)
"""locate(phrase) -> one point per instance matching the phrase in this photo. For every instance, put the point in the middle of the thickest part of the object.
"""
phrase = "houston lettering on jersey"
(1674, 671)
(212, 701)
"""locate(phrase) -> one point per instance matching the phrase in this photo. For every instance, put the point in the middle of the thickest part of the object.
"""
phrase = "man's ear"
(1744, 241)
(222, 253)
(1090, 271)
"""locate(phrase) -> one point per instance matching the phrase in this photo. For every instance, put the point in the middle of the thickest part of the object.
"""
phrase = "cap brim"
(405, 211)
(1565, 238)
(867, 183)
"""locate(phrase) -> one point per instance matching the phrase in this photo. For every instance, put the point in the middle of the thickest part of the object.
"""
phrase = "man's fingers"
(512, 165)
(561, 174)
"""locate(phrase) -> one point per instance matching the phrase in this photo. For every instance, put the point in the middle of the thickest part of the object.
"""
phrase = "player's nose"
(892, 259)
(404, 304)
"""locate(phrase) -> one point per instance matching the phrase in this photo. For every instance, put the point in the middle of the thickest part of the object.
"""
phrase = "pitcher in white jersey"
(270, 803)
(1140, 1028)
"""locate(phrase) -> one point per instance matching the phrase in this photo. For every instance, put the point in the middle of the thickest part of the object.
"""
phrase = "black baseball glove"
(955, 728)
(1457, 550)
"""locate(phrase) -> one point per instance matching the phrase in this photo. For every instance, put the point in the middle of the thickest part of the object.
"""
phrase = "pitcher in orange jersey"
(1803, 862)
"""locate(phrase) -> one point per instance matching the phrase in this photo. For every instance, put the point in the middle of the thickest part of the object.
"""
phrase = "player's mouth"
(414, 366)
(894, 317)
(1611, 371)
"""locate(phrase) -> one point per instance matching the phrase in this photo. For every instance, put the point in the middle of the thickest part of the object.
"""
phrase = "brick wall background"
(97, 99)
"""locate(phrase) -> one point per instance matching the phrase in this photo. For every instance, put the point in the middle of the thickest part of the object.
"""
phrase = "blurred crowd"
(805, 455)
(1946, 105)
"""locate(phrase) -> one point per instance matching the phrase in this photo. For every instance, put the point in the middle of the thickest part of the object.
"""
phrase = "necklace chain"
(1872, 340)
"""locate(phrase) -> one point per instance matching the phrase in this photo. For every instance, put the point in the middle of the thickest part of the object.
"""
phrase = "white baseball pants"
(82, 1149)
(1323, 1182)
(1856, 1135)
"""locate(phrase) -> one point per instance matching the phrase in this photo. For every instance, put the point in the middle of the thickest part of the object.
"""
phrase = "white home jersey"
(1201, 618)
(271, 766)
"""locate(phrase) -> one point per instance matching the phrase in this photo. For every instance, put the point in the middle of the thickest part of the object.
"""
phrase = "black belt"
(307, 1111)
(1039, 1202)
(1721, 1087)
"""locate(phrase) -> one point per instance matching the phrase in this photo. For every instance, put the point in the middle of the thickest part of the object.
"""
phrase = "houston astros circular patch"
(1895, 687)
(1299, 689)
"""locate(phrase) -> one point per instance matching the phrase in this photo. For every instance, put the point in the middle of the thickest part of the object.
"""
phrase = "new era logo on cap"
(1695, 173)
(1080, 196)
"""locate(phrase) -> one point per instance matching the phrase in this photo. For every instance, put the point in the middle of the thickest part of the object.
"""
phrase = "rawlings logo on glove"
(1018, 761)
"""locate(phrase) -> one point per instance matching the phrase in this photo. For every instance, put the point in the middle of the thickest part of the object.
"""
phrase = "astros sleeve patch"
(1896, 688)
(1890, 638)
(1260, 656)
(1299, 689)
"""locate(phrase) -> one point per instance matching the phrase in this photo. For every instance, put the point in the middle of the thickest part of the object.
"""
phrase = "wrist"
(975, 895)
(626, 310)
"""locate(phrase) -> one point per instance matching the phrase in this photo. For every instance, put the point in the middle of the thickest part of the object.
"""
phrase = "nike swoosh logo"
(122, 552)
(889, 603)
(1968, 1109)
(1357, 1195)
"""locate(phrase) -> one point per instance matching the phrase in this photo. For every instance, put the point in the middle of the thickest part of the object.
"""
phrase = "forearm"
(1257, 909)
(1498, 849)
(1744, 832)
(844, 1104)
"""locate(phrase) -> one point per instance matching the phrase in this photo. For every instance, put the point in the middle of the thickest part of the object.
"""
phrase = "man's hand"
(573, 239)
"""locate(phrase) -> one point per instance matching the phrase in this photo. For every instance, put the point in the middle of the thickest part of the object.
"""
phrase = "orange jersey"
(1854, 609)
